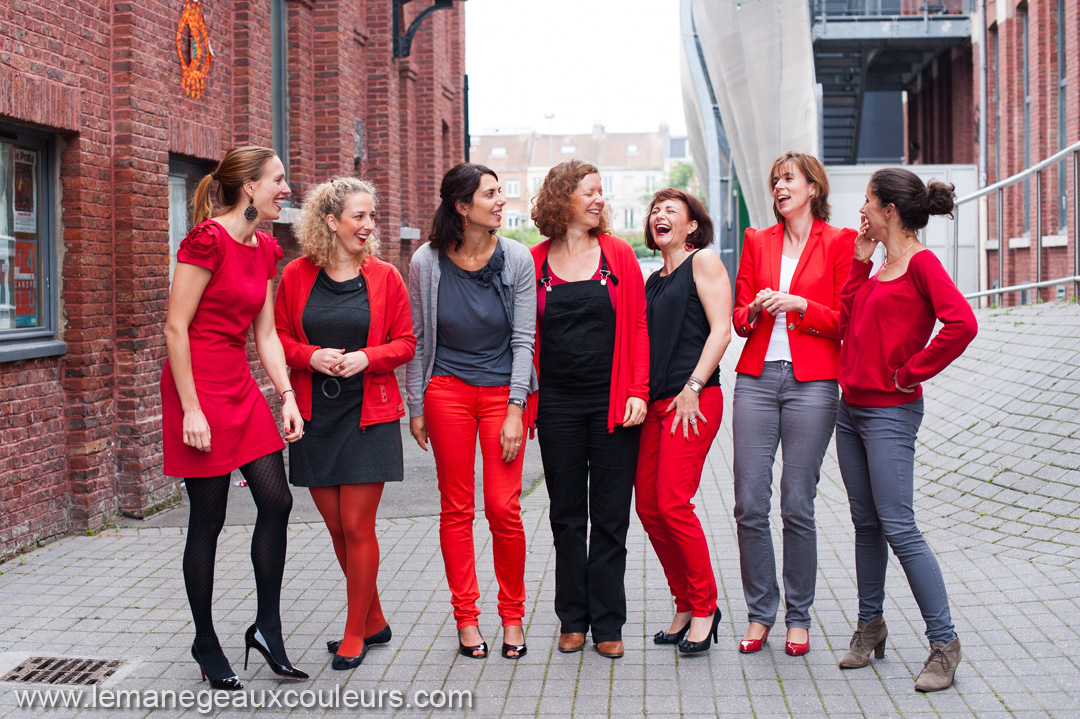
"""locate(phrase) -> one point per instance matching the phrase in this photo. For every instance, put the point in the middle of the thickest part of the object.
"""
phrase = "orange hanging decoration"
(197, 68)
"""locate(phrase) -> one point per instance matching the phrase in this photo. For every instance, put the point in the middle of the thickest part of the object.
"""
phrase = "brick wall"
(80, 434)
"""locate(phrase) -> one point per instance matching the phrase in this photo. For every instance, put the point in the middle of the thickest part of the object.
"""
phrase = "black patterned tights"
(208, 495)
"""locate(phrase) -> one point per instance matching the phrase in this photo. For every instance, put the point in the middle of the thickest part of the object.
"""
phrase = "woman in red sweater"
(787, 305)
(343, 318)
(886, 321)
(592, 356)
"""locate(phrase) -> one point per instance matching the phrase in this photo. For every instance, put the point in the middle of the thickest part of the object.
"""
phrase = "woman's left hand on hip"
(687, 412)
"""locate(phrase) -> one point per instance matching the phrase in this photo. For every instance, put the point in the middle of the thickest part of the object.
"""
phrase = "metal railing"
(868, 9)
(998, 190)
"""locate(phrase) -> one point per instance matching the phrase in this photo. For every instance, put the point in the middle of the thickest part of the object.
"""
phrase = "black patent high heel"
(252, 641)
(688, 647)
(231, 684)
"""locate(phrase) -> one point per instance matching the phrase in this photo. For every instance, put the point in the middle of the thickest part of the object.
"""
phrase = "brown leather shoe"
(611, 650)
(571, 642)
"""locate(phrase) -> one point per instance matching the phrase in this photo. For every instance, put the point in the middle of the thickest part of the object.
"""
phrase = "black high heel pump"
(663, 637)
(230, 684)
(252, 640)
(688, 647)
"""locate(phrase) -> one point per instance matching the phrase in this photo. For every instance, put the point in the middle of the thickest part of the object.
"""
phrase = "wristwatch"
(519, 402)
(695, 384)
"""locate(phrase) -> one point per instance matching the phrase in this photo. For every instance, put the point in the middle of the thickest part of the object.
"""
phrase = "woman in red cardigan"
(787, 305)
(344, 321)
(592, 356)
(886, 321)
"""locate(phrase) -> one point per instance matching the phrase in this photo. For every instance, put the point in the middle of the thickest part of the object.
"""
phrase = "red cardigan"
(886, 326)
(630, 368)
(819, 276)
(390, 340)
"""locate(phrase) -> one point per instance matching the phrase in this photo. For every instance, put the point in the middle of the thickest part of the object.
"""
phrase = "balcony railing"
(878, 9)
(997, 191)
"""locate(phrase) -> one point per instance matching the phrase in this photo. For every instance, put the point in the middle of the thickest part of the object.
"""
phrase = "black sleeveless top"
(678, 329)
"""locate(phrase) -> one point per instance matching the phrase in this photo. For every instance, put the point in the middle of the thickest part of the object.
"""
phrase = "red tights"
(349, 512)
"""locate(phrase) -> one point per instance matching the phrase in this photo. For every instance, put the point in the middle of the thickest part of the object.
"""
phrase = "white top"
(779, 347)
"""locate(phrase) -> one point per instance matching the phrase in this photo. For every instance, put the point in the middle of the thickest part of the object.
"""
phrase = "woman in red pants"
(343, 318)
(474, 315)
(688, 306)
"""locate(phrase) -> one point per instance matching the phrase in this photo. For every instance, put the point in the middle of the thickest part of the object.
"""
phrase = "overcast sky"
(615, 62)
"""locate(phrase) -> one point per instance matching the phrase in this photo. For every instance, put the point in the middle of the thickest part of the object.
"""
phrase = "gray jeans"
(875, 447)
(770, 410)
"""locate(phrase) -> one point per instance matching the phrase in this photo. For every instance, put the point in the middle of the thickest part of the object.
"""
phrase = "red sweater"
(390, 340)
(886, 326)
(630, 366)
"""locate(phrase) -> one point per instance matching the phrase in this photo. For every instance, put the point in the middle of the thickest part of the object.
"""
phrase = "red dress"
(242, 427)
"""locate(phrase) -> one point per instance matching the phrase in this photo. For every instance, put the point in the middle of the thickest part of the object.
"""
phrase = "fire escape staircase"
(865, 46)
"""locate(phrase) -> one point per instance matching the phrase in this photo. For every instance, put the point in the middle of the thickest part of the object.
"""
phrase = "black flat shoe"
(345, 663)
(383, 636)
(662, 637)
(252, 640)
(230, 684)
(688, 647)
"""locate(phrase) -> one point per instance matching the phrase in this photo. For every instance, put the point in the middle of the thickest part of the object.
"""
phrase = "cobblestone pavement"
(998, 501)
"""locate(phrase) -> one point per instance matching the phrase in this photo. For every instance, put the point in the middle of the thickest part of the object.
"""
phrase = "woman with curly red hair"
(592, 355)
(343, 318)
(222, 288)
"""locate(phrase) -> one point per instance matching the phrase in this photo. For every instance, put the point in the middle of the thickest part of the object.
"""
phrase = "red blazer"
(819, 276)
(390, 340)
(630, 368)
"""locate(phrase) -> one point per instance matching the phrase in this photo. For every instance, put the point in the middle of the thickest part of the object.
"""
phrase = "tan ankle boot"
(868, 636)
(939, 668)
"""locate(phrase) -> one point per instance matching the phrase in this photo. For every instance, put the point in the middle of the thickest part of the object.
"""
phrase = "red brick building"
(1033, 111)
(99, 149)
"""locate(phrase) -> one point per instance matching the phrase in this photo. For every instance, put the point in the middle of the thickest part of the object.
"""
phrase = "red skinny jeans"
(455, 414)
(668, 476)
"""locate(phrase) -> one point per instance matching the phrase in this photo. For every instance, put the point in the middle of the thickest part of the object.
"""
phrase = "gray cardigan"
(518, 280)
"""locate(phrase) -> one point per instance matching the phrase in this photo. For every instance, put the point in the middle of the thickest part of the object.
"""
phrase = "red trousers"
(668, 476)
(455, 414)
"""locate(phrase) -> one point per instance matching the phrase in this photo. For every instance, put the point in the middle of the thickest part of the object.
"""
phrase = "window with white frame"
(608, 185)
(184, 177)
(498, 152)
(28, 258)
(568, 149)
(513, 188)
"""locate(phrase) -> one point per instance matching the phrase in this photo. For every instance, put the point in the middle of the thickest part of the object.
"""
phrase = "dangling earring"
(689, 247)
(466, 221)
(251, 214)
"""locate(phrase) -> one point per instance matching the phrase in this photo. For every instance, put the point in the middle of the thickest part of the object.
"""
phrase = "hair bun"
(940, 198)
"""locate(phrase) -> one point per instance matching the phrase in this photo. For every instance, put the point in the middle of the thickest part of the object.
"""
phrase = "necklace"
(889, 259)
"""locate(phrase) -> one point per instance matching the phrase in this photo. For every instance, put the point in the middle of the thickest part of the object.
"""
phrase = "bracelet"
(695, 385)
(282, 395)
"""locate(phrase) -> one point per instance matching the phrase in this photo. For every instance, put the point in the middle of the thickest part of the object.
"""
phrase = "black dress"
(334, 449)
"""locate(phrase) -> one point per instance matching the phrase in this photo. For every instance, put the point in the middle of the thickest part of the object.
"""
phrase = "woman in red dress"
(214, 417)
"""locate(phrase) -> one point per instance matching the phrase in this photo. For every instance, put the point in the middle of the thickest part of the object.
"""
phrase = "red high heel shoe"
(749, 646)
(797, 649)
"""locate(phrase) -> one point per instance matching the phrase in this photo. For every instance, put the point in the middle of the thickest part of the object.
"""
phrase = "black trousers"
(590, 477)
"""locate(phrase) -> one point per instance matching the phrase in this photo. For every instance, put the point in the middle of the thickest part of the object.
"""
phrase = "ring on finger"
(693, 420)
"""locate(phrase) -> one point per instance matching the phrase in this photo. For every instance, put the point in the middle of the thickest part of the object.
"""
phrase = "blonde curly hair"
(316, 238)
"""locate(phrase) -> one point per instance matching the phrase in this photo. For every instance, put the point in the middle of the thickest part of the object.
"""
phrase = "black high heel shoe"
(252, 641)
(519, 649)
(662, 637)
(383, 636)
(688, 647)
(230, 684)
(467, 651)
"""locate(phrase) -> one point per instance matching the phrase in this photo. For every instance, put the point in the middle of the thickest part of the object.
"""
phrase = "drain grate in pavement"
(62, 670)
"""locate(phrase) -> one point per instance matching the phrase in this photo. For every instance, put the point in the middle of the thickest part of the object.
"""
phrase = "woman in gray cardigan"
(470, 377)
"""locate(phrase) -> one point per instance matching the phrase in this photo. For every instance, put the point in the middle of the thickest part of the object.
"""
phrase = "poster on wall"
(25, 176)
(7, 296)
(26, 289)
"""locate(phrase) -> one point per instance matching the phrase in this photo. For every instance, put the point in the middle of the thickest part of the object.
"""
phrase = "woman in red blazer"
(344, 321)
(787, 305)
